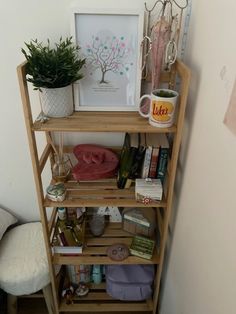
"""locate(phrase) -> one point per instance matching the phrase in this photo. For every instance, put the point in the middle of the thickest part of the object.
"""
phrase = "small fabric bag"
(129, 282)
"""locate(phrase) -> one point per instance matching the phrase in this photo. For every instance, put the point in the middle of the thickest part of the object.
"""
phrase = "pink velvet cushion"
(94, 162)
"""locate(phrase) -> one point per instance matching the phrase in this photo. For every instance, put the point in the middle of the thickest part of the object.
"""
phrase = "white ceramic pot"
(57, 102)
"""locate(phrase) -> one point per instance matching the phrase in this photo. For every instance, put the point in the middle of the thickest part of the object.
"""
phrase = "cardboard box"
(147, 190)
(142, 247)
(139, 221)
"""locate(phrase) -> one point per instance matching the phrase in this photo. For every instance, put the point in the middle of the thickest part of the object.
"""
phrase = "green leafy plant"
(53, 67)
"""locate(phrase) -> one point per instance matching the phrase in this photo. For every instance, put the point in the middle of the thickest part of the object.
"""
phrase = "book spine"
(125, 167)
(137, 163)
(146, 162)
(162, 164)
(138, 221)
(71, 272)
(62, 238)
(153, 163)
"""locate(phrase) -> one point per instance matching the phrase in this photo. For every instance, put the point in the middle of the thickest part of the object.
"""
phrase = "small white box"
(148, 190)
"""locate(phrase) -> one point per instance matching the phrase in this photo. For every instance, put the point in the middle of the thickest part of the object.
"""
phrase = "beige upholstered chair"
(23, 264)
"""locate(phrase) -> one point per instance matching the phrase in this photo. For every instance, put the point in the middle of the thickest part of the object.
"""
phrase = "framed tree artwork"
(111, 43)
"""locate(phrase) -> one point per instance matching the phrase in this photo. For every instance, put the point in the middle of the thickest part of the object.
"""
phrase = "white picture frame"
(110, 40)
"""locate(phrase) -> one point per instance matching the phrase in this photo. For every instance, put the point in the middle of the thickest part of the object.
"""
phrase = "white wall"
(22, 21)
(201, 274)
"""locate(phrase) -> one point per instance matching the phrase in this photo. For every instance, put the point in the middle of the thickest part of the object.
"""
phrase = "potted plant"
(52, 71)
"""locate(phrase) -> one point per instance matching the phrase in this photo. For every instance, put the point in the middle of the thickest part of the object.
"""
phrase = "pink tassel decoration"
(160, 36)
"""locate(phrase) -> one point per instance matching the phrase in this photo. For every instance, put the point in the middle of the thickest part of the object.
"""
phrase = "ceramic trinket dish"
(82, 290)
(118, 252)
(56, 192)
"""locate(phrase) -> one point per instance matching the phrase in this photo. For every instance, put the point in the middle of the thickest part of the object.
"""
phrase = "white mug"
(162, 103)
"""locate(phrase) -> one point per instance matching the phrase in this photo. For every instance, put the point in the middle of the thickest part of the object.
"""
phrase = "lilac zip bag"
(129, 282)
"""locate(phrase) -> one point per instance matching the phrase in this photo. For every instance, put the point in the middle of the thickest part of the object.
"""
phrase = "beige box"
(139, 221)
(148, 189)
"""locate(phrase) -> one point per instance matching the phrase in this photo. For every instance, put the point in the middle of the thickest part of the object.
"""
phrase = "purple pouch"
(129, 282)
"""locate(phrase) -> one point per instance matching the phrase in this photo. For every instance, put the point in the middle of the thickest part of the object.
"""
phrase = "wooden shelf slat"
(99, 286)
(101, 202)
(100, 241)
(112, 232)
(100, 193)
(94, 296)
(102, 307)
(95, 250)
(101, 260)
(96, 121)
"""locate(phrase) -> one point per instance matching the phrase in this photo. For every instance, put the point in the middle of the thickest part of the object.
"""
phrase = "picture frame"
(110, 40)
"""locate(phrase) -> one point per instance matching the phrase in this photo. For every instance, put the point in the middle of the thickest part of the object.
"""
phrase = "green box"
(142, 247)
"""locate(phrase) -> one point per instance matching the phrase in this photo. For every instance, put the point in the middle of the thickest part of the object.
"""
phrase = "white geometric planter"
(57, 102)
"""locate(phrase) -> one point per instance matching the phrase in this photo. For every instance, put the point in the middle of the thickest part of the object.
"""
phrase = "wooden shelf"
(95, 249)
(96, 194)
(95, 121)
(98, 300)
(100, 193)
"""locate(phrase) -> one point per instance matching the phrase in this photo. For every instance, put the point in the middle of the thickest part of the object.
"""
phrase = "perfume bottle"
(97, 224)
(97, 274)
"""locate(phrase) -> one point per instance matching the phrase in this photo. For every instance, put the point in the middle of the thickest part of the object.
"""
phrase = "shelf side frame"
(38, 165)
(184, 73)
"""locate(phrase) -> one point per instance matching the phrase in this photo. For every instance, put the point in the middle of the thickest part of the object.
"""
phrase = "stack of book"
(144, 155)
(131, 159)
(156, 157)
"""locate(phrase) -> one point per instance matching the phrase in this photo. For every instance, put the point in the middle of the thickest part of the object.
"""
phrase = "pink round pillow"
(94, 162)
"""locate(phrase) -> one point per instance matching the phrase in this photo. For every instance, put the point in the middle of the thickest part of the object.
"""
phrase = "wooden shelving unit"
(104, 193)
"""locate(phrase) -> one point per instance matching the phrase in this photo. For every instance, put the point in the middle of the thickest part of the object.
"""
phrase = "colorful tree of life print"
(109, 53)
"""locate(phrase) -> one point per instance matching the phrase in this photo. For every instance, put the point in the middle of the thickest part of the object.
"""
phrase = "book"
(67, 250)
(163, 157)
(127, 157)
(152, 141)
(78, 273)
(135, 171)
(147, 160)
(153, 163)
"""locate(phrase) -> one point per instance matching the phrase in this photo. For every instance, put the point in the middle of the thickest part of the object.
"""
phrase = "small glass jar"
(61, 168)
(61, 213)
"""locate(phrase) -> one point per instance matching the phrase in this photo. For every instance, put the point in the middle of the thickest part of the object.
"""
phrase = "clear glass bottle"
(61, 213)
(97, 224)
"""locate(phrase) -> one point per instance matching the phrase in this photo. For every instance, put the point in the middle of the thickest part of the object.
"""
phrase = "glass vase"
(61, 168)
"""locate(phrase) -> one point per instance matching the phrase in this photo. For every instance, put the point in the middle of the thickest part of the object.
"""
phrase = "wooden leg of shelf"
(11, 304)
(47, 292)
